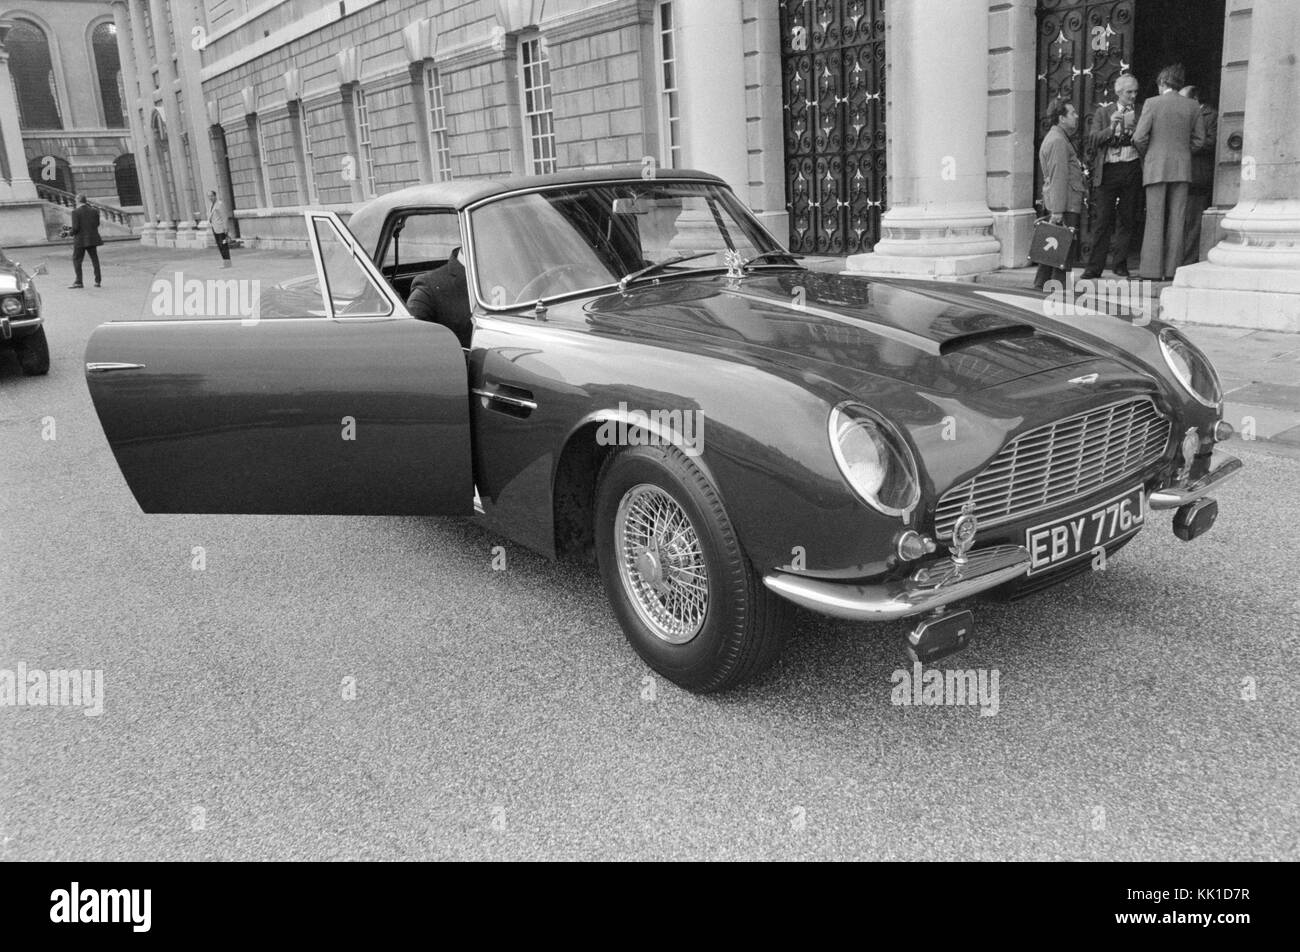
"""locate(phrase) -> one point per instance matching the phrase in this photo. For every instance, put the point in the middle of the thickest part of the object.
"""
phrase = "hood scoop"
(974, 338)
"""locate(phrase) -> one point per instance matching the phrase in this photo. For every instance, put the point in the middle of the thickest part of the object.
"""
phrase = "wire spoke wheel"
(661, 563)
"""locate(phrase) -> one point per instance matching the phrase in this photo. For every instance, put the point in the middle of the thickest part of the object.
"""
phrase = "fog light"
(1195, 519)
(1223, 431)
(912, 545)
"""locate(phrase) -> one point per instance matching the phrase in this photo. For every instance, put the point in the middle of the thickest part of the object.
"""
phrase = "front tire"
(686, 596)
(34, 354)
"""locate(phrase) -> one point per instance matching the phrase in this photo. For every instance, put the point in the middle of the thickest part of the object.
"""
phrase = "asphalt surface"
(500, 714)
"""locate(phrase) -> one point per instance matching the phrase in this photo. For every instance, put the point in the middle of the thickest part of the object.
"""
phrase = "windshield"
(561, 241)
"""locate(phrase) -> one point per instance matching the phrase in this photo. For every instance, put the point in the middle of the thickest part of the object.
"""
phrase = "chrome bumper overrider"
(931, 586)
(1180, 494)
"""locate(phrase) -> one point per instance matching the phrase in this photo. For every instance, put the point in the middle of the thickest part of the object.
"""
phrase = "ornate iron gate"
(1083, 45)
(833, 82)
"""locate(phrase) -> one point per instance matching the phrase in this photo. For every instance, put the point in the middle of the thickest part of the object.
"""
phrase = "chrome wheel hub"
(661, 563)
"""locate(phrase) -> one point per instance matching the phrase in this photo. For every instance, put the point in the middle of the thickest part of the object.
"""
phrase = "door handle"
(105, 366)
(517, 403)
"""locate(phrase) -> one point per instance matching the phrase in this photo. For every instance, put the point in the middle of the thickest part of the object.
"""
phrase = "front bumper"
(940, 581)
(11, 327)
(931, 586)
(1222, 468)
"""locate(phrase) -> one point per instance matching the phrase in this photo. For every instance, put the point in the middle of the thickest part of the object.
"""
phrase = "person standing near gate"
(85, 239)
(1199, 192)
(1116, 175)
(1062, 184)
(218, 222)
(1168, 132)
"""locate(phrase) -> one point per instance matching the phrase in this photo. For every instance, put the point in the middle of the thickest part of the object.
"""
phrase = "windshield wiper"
(770, 254)
(658, 265)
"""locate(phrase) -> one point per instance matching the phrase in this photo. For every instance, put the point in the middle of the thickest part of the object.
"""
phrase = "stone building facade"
(898, 135)
(65, 112)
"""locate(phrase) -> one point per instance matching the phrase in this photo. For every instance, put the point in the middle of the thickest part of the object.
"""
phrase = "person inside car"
(442, 297)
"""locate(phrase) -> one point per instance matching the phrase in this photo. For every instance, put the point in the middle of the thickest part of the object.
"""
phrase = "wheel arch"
(573, 483)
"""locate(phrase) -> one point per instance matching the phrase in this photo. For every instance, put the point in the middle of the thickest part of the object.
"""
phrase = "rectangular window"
(669, 117)
(439, 150)
(308, 155)
(535, 87)
(367, 156)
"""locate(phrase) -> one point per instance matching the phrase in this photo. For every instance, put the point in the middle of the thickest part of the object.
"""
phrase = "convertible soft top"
(366, 222)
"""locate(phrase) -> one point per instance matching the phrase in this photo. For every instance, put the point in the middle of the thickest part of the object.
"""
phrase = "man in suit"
(442, 296)
(1116, 175)
(1199, 192)
(1062, 183)
(85, 239)
(1169, 131)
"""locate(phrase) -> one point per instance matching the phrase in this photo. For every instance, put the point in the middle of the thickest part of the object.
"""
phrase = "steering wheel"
(531, 290)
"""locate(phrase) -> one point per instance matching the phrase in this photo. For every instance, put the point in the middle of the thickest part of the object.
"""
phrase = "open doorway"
(1179, 31)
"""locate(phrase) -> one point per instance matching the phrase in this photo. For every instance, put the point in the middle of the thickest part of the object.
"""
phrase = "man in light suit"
(1063, 187)
(1116, 175)
(1170, 130)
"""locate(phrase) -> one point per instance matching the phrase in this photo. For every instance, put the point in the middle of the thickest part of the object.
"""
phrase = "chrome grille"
(1060, 462)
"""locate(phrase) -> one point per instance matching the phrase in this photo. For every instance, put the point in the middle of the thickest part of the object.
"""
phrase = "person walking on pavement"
(1063, 187)
(218, 222)
(1116, 175)
(85, 239)
(1169, 131)
(1199, 192)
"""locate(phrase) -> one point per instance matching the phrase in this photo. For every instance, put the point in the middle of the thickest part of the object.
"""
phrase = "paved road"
(499, 714)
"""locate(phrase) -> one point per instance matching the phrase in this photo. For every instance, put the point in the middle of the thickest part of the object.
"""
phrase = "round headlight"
(11, 305)
(1191, 367)
(875, 460)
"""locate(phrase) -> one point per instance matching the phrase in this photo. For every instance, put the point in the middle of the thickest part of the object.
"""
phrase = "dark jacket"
(442, 296)
(1062, 173)
(1170, 130)
(85, 227)
(1203, 161)
(1100, 138)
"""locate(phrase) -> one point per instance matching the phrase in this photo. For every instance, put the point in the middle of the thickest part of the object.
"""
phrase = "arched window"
(33, 74)
(108, 70)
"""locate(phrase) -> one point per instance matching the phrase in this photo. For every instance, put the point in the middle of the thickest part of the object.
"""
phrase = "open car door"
(337, 402)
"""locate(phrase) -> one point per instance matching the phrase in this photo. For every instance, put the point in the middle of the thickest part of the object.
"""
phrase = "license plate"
(1063, 540)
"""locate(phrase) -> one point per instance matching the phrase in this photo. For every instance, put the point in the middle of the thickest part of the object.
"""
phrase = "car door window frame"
(398, 307)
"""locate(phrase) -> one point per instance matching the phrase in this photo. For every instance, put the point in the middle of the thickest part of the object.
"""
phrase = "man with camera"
(1117, 174)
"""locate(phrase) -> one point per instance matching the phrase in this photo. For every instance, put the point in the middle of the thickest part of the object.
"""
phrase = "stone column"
(938, 223)
(158, 200)
(185, 16)
(135, 96)
(164, 43)
(711, 77)
(1252, 278)
(21, 187)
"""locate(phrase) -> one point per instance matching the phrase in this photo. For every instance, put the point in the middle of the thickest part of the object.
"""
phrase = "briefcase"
(1050, 244)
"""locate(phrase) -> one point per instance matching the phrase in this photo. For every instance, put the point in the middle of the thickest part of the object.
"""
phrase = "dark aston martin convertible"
(648, 379)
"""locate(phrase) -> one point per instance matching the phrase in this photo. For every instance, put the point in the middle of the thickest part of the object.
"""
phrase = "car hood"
(11, 280)
(946, 340)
